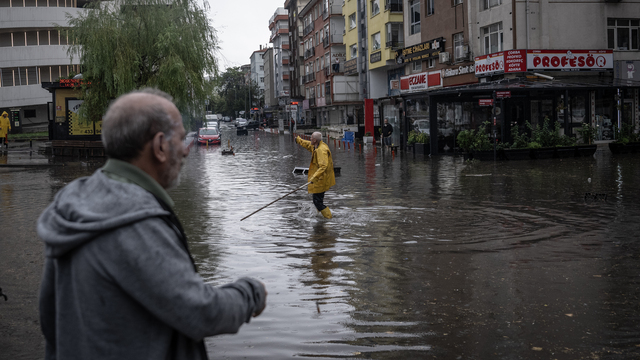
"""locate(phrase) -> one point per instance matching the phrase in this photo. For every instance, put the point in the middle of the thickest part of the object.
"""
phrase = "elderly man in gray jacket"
(119, 281)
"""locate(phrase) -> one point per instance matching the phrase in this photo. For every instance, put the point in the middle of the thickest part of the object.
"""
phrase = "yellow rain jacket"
(321, 168)
(5, 125)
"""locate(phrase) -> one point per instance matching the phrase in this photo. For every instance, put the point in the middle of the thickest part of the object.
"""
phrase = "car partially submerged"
(209, 136)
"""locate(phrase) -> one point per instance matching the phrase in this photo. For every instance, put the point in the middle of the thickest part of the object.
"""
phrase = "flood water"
(424, 258)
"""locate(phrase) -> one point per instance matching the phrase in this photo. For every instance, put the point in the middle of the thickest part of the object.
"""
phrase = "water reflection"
(425, 257)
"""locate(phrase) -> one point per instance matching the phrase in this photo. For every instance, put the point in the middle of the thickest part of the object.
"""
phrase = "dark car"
(209, 136)
(252, 125)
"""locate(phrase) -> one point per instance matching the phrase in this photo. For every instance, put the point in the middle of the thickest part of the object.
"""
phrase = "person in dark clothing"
(119, 281)
(387, 130)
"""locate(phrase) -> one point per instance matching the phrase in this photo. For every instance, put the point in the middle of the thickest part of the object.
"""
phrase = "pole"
(276, 200)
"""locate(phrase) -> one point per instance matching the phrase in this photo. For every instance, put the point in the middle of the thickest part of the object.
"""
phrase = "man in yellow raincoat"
(5, 126)
(321, 173)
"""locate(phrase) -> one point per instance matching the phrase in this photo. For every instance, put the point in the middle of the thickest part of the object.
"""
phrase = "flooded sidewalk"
(424, 258)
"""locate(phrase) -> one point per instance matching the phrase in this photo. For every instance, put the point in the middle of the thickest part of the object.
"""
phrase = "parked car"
(421, 125)
(212, 125)
(253, 125)
(241, 122)
(226, 119)
(209, 136)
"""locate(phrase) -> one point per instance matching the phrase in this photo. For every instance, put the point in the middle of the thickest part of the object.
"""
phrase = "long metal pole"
(276, 200)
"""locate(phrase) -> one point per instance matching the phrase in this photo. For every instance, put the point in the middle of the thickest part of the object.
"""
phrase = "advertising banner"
(420, 82)
(569, 60)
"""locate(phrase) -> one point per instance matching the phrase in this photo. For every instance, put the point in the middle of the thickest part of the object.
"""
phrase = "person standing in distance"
(320, 174)
(387, 130)
(119, 281)
(5, 127)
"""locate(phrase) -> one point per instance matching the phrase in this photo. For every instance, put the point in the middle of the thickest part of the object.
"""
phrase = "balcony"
(395, 44)
(309, 53)
(309, 78)
(308, 29)
(393, 5)
(332, 39)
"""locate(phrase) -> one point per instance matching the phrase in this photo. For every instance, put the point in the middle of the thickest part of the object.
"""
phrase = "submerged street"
(424, 258)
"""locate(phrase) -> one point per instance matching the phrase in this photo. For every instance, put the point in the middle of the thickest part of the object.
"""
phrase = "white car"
(211, 125)
(422, 126)
(241, 122)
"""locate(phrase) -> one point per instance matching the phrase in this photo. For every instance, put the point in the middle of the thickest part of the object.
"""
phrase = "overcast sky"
(242, 26)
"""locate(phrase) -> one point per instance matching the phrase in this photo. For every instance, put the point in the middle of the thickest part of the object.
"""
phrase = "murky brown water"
(425, 258)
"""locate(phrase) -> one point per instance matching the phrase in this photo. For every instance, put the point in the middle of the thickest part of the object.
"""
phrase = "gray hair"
(317, 135)
(128, 125)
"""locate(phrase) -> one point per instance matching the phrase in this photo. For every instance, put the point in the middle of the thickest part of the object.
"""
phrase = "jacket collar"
(124, 172)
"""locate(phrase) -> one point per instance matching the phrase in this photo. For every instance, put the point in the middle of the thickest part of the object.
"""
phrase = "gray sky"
(242, 25)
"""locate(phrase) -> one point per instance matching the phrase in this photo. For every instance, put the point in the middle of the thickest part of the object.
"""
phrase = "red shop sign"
(485, 102)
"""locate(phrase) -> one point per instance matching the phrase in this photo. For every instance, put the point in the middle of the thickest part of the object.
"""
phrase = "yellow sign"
(77, 127)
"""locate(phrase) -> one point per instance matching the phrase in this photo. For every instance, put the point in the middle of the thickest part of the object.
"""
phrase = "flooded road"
(424, 258)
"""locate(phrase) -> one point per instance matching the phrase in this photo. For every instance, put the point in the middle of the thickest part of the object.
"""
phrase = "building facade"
(297, 60)
(330, 95)
(257, 68)
(279, 26)
(33, 51)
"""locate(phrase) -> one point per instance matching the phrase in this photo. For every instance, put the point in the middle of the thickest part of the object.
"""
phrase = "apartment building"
(257, 68)
(297, 57)
(512, 63)
(279, 26)
(32, 51)
(330, 96)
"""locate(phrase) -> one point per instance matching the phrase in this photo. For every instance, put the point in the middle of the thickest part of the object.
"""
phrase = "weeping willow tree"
(129, 44)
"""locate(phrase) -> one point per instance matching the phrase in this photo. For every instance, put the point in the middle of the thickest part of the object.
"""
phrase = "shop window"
(414, 9)
(622, 34)
(492, 38)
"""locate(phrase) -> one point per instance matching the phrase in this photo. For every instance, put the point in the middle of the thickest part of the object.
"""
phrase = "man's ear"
(160, 147)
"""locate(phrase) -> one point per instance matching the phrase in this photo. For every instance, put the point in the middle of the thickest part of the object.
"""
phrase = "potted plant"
(587, 137)
(477, 142)
(519, 150)
(421, 143)
(411, 140)
(627, 140)
(367, 138)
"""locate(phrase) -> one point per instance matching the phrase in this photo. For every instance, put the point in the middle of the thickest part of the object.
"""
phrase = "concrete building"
(270, 99)
(330, 96)
(33, 51)
(295, 37)
(279, 26)
(513, 63)
(257, 68)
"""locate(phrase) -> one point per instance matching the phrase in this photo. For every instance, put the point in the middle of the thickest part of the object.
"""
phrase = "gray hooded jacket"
(119, 282)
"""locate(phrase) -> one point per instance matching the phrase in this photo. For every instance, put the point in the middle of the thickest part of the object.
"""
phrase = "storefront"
(521, 87)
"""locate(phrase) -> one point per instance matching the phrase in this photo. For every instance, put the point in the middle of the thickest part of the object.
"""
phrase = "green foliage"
(626, 134)
(412, 137)
(417, 137)
(548, 136)
(475, 140)
(125, 45)
(587, 133)
(520, 141)
(233, 94)
(534, 145)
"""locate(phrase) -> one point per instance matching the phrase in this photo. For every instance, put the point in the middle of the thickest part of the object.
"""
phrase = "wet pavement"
(424, 258)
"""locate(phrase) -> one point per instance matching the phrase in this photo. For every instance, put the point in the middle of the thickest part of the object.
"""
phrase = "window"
(622, 34)
(375, 41)
(458, 46)
(395, 35)
(375, 7)
(261, 67)
(487, 4)
(261, 80)
(354, 51)
(430, 7)
(457, 2)
(492, 35)
(414, 9)
(416, 66)
(431, 63)
(352, 21)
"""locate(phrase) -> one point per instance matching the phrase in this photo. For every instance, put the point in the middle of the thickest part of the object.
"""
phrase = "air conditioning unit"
(444, 57)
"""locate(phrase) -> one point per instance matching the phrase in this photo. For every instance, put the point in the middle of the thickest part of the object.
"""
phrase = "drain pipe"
(526, 13)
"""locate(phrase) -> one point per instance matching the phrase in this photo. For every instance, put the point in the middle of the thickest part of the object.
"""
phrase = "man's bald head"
(133, 119)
